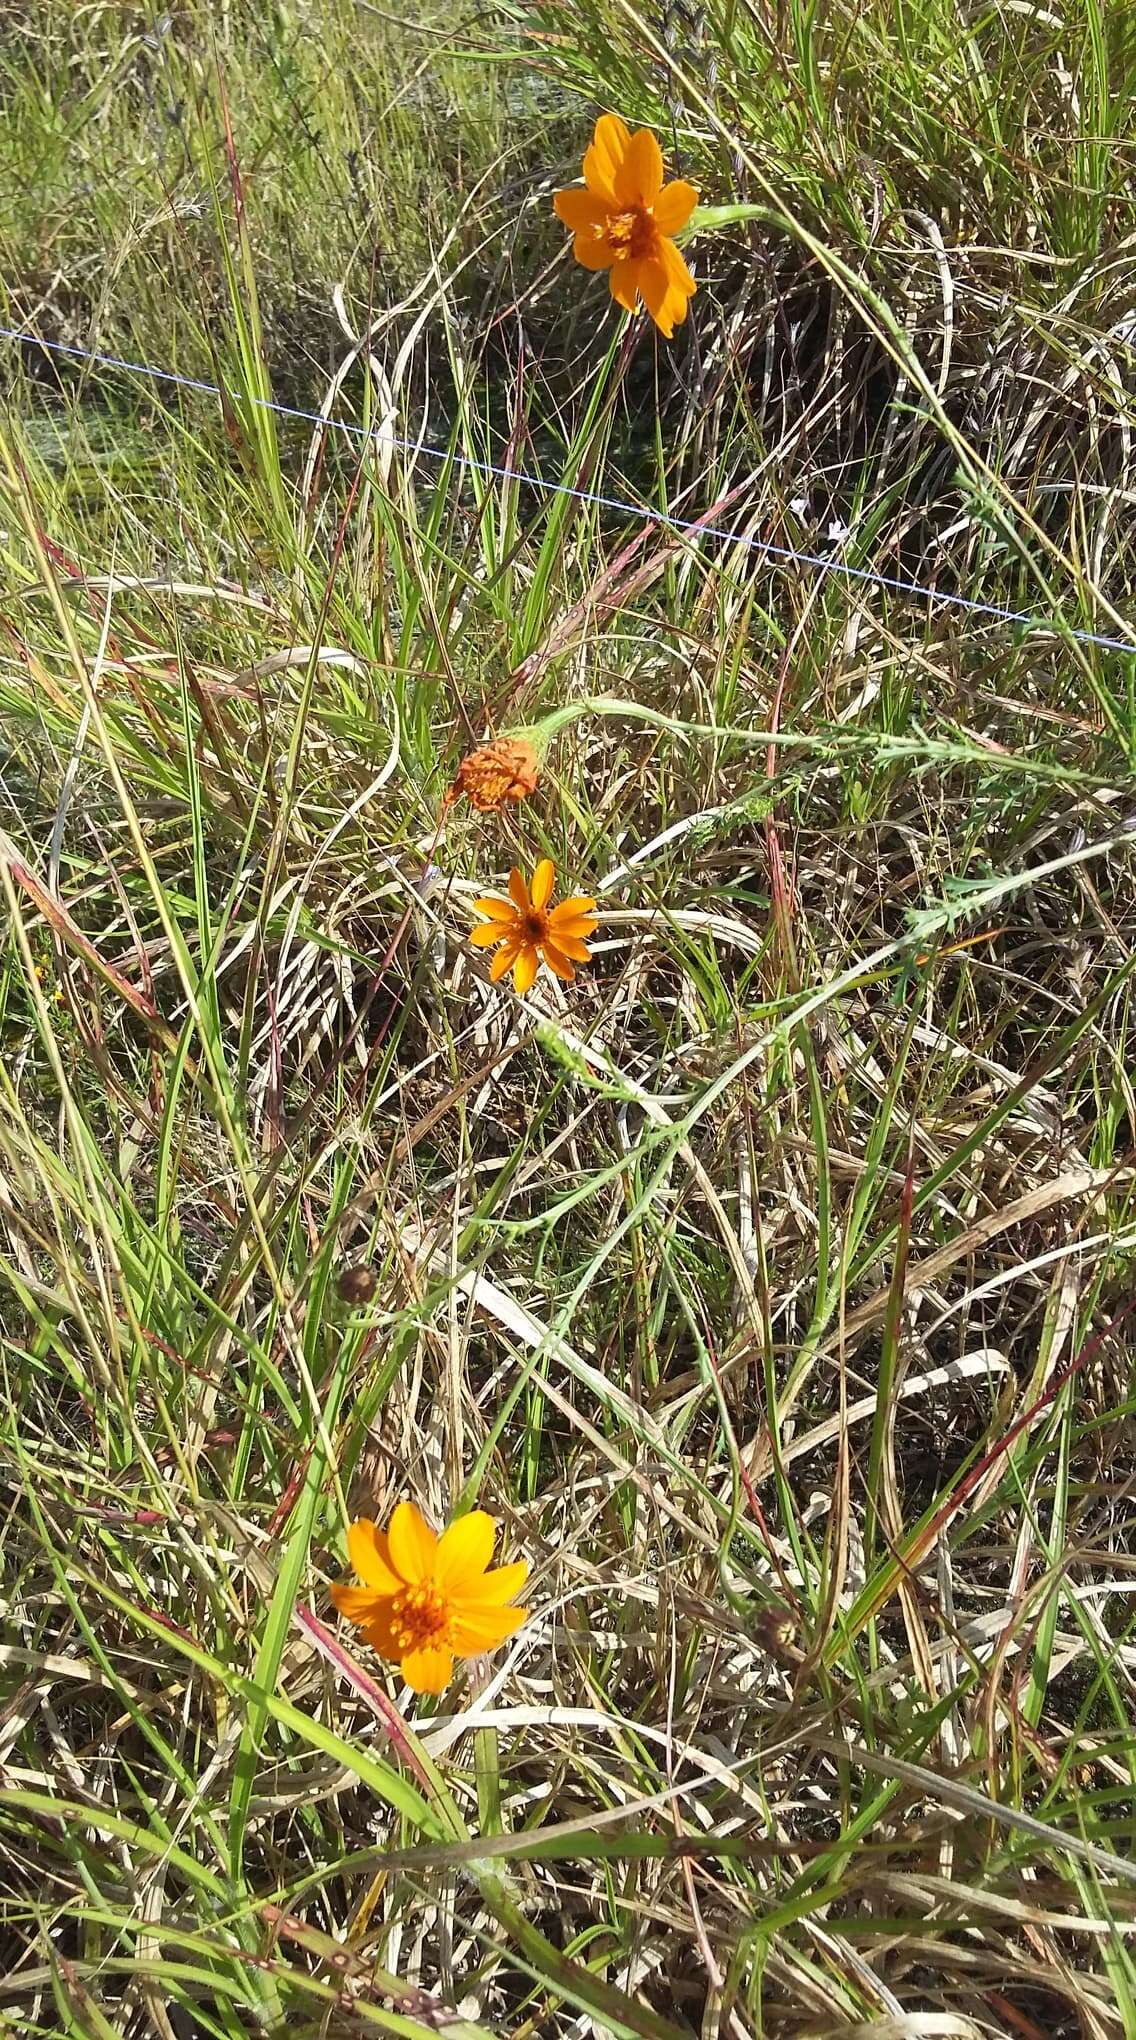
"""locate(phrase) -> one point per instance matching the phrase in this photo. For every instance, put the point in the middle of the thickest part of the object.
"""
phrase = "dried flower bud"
(356, 1285)
(507, 769)
(776, 1631)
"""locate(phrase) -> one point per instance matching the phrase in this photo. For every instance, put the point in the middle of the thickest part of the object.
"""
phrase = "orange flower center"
(535, 925)
(418, 1616)
(633, 234)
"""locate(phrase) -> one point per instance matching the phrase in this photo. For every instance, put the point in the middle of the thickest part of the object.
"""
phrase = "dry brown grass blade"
(63, 924)
(1071, 1184)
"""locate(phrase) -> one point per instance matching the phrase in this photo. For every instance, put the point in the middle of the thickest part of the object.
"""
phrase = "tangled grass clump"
(768, 1278)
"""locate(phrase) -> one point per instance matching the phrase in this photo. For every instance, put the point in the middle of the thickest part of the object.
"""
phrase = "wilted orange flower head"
(623, 219)
(531, 932)
(426, 1600)
(507, 769)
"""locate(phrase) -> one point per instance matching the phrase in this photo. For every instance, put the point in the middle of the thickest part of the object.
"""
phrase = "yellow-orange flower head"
(623, 220)
(531, 932)
(505, 770)
(426, 1600)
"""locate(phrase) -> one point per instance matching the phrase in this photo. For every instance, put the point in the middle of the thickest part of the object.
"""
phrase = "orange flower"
(529, 930)
(426, 1599)
(506, 769)
(623, 220)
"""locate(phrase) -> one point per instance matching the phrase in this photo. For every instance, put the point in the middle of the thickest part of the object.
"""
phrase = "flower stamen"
(418, 1616)
(634, 233)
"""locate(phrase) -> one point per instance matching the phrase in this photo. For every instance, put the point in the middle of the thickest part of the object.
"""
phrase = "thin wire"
(783, 554)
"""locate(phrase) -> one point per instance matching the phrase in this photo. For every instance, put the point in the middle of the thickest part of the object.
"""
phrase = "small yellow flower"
(507, 769)
(529, 930)
(426, 1600)
(42, 974)
(623, 220)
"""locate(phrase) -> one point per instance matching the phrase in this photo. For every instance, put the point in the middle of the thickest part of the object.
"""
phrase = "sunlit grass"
(771, 1282)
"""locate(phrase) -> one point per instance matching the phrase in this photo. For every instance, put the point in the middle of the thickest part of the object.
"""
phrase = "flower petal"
(428, 1668)
(666, 283)
(483, 1629)
(497, 910)
(487, 933)
(544, 878)
(569, 945)
(638, 179)
(576, 905)
(676, 269)
(370, 1557)
(661, 301)
(504, 960)
(674, 205)
(580, 209)
(518, 891)
(623, 282)
(557, 963)
(378, 1633)
(602, 159)
(592, 250)
(494, 1588)
(357, 1604)
(677, 305)
(572, 916)
(412, 1544)
(464, 1552)
(525, 970)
